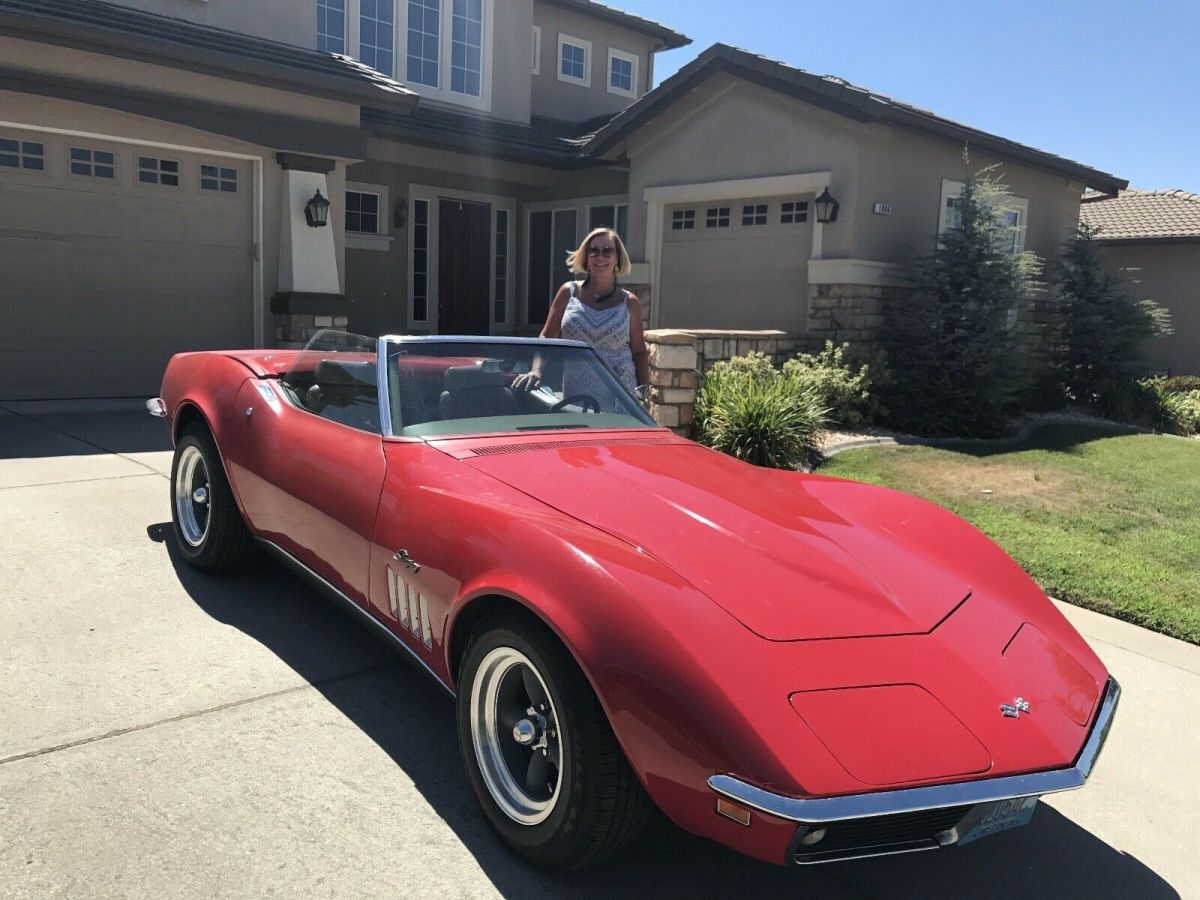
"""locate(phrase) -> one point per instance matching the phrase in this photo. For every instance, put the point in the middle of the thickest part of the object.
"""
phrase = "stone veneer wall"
(849, 313)
(679, 357)
(294, 330)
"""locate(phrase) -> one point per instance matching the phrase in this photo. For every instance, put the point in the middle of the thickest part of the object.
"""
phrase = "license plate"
(1003, 815)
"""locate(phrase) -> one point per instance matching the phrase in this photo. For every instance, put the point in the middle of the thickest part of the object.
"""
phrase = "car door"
(309, 483)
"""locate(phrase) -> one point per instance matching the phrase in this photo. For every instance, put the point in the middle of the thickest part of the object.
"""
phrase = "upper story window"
(424, 41)
(377, 34)
(466, 47)
(574, 60)
(22, 154)
(1015, 210)
(331, 26)
(622, 73)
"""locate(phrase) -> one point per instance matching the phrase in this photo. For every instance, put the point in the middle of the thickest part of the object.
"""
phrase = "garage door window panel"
(90, 163)
(16, 154)
(220, 179)
(754, 214)
(152, 170)
(793, 212)
(716, 217)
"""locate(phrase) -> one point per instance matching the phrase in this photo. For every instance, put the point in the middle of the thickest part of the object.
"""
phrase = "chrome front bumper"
(818, 811)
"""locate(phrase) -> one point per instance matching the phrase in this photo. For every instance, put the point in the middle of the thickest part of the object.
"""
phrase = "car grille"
(878, 835)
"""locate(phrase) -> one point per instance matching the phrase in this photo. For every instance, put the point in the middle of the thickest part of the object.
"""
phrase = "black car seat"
(474, 391)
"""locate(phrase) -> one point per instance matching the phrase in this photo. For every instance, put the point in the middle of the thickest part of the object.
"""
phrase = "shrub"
(846, 391)
(1174, 411)
(1180, 384)
(752, 411)
(957, 365)
(1102, 330)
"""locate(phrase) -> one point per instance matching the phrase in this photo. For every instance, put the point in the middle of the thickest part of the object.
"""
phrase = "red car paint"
(811, 636)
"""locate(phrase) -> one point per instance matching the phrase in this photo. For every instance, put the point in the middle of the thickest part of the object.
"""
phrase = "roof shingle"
(1141, 215)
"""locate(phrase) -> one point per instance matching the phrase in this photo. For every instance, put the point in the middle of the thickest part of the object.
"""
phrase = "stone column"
(672, 378)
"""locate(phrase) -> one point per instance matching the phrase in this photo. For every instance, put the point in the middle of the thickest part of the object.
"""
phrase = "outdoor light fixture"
(316, 211)
(400, 214)
(827, 208)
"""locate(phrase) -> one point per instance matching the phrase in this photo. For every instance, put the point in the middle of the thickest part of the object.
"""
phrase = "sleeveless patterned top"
(607, 331)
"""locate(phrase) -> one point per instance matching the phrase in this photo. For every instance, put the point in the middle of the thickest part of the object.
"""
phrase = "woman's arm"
(637, 340)
(552, 329)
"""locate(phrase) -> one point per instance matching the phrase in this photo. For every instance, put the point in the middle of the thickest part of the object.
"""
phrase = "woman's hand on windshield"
(530, 381)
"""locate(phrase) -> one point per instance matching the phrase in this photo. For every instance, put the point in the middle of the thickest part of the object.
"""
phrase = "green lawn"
(1102, 520)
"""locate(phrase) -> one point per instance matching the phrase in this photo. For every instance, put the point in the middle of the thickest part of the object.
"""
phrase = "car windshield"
(334, 377)
(468, 387)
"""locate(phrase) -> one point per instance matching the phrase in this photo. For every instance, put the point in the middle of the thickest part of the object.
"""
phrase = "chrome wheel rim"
(517, 737)
(192, 496)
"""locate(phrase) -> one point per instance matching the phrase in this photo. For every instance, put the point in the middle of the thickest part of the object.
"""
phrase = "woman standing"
(599, 312)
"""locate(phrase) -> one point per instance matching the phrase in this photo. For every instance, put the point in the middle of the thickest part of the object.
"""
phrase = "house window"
(424, 41)
(610, 215)
(1015, 212)
(552, 235)
(362, 212)
(377, 34)
(622, 73)
(716, 217)
(683, 220)
(94, 163)
(793, 212)
(536, 62)
(22, 154)
(158, 171)
(574, 60)
(754, 214)
(466, 47)
(218, 178)
(500, 301)
(420, 261)
(331, 26)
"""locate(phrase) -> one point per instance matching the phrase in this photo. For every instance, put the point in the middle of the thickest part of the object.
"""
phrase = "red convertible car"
(802, 668)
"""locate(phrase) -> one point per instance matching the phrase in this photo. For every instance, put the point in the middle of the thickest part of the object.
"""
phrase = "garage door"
(113, 257)
(736, 264)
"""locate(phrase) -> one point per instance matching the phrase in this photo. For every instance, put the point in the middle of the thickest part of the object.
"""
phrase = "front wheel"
(209, 529)
(538, 749)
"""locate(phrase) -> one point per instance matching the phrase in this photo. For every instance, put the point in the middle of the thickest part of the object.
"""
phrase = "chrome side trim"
(821, 810)
(156, 407)
(301, 569)
(381, 383)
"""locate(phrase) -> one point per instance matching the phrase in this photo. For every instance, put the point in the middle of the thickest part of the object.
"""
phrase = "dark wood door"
(464, 258)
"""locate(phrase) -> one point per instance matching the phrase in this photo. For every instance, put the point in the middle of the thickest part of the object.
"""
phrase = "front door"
(464, 258)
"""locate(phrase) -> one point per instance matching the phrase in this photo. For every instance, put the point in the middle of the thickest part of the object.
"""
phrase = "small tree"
(1103, 331)
(957, 364)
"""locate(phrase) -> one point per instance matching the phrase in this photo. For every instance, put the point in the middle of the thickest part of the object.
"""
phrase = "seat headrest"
(465, 378)
(341, 373)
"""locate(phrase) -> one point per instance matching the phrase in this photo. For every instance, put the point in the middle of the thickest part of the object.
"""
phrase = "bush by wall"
(846, 389)
(750, 410)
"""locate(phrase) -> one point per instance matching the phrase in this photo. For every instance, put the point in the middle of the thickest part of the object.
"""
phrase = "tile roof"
(1134, 214)
(109, 28)
(835, 94)
(671, 39)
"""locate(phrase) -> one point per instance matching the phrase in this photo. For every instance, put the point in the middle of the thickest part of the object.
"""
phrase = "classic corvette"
(802, 668)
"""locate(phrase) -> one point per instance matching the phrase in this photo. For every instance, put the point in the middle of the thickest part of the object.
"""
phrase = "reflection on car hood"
(787, 565)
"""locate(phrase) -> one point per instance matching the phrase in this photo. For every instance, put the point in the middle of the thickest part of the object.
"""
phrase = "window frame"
(345, 27)
(375, 47)
(757, 219)
(443, 90)
(91, 175)
(219, 190)
(157, 171)
(625, 56)
(952, 190)
(22, 155)
(586, 47)
(536, 50)
(382, 239)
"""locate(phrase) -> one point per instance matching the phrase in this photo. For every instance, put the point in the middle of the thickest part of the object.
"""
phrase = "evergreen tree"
(958, 365)
(1103, 331)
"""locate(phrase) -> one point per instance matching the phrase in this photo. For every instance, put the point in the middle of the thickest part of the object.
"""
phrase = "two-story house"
(164, 165)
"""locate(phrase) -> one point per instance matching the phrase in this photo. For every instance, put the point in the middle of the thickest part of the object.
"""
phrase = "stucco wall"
(1170, 274)
(288, 21)
(571, 102)
(705, 137)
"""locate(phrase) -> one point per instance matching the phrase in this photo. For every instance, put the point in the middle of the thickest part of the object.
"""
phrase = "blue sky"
(1113, 85)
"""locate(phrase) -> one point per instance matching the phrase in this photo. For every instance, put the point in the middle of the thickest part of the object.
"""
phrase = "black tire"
(598, 806)
(209, 532)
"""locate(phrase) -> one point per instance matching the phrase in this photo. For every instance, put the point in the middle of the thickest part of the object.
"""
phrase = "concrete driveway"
(166, 734)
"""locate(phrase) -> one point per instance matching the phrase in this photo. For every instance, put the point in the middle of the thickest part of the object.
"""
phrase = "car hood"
(758, 543)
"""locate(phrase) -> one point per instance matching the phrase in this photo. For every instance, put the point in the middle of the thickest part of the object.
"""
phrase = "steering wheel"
(584, 400)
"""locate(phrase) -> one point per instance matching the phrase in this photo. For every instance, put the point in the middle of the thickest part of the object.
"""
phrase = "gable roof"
(670, 39)
(133, 34)
(837, 95)
(1143, 215)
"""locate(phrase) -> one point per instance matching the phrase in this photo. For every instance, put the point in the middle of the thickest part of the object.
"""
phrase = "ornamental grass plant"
(752, 411)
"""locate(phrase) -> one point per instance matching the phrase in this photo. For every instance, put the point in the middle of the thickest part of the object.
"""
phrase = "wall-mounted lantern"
(400, 214)
(316, 211)
(827, 208)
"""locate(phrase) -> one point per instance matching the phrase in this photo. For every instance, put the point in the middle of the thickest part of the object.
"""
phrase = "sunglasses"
(601, 251)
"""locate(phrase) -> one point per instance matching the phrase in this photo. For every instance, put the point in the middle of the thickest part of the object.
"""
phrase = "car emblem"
(1013, 710)
(402, 557)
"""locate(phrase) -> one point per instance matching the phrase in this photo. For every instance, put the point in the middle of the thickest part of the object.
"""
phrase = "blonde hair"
(577, 258)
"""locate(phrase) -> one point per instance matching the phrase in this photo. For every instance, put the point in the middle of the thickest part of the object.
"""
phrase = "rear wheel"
(543, 761)
(208, 525)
